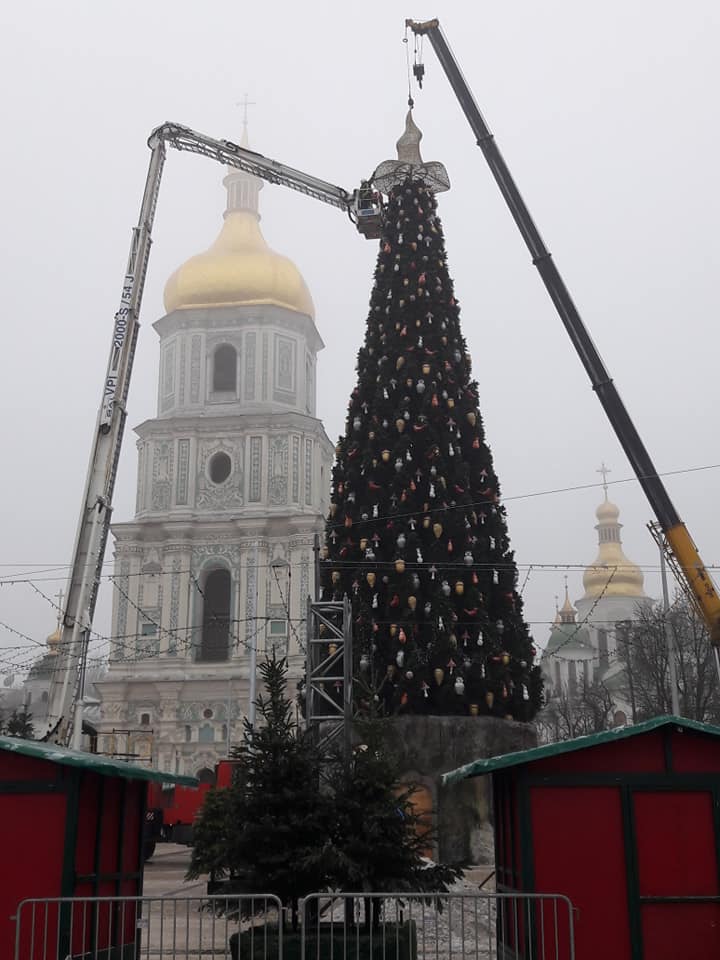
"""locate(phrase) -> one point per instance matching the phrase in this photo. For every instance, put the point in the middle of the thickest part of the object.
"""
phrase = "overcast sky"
(607, 116)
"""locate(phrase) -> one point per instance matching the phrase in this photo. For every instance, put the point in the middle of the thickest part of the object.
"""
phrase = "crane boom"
(65, 700)
(678, 538)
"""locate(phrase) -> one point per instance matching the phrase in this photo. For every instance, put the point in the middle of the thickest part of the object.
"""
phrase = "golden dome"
(54, 639)
(239, 268)
(611, 574)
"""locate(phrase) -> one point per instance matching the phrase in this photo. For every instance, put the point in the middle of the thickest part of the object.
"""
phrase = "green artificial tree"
(417, 533)
(262, 834)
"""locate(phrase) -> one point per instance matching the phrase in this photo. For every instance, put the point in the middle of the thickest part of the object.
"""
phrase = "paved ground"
(165, 873)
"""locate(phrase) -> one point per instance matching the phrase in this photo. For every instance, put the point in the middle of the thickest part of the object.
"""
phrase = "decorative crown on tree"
(416, 533)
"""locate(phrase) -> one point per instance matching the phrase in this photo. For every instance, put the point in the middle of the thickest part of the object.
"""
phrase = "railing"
(461, 926)
(147, 928)
(349, 926)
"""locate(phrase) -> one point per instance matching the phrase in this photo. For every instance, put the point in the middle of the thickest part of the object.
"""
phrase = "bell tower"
(232, 479)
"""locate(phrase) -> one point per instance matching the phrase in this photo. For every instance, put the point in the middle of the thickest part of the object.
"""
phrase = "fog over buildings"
(607, 118)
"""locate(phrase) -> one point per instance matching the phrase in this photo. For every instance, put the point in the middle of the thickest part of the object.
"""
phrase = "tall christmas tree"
(417, 535)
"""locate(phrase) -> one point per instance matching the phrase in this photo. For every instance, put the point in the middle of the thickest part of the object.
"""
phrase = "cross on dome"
(604, 471)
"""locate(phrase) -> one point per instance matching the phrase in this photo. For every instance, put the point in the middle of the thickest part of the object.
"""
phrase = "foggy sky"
(607, 118)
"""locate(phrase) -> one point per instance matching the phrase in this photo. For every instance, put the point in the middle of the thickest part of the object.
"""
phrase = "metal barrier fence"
(148, 928)
(448, 926)
(361, 926)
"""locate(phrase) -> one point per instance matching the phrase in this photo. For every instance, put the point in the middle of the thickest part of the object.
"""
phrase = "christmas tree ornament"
(459, 686)
(439, 675)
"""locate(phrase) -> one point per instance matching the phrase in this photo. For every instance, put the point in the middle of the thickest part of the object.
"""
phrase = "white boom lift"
(363, 206)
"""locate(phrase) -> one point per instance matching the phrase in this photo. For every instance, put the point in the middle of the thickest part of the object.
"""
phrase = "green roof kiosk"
(72, 826)
(626, 824)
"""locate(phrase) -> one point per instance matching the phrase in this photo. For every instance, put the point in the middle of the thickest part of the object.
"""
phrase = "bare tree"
(589, 709)
(643, 652)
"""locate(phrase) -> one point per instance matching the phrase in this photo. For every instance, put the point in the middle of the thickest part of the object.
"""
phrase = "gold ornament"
(437, 530)
(399, 566)
(459, 588)
(412, 603)
(490, 699)
(474, 709)
(439, 675)
(400, 424)
(386, 454)
(471, 418)
(370, 577)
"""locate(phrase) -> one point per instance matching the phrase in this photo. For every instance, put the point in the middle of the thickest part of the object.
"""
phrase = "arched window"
(206, 734)
(188, 734)
(214, 642)
(206, 775)
(224, 378)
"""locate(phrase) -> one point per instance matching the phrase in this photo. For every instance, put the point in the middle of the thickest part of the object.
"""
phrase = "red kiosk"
(626, 824)
(72, 827)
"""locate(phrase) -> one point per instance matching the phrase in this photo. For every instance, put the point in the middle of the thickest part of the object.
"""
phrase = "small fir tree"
(281, 829)
(19, 724)
(417, 534)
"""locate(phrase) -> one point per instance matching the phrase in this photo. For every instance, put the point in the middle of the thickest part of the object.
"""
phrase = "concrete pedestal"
(430, 746)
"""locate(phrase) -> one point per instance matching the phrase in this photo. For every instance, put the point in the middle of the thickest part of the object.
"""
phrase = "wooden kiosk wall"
(629, 830)
(68, 831)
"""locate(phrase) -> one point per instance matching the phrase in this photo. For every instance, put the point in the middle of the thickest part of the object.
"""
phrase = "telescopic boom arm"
(684, 551)
(65, 701)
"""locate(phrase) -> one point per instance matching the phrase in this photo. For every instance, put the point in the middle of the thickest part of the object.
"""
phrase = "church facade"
(217, 564)
(582, 649)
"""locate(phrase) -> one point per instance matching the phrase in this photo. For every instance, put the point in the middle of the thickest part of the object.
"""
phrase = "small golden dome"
(611, 574)
(53, 641)
(239, 268)
(607, 512)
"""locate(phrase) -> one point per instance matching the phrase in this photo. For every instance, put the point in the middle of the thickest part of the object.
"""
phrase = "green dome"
(569, 637)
